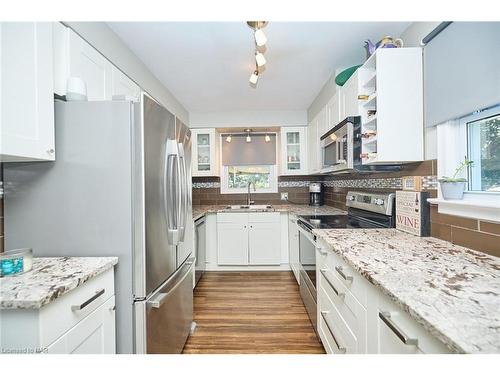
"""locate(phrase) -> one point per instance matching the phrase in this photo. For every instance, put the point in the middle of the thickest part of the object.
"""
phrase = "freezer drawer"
(169, 313)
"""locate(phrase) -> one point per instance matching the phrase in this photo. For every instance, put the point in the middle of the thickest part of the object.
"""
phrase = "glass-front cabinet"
(204, 155)
(293, 151)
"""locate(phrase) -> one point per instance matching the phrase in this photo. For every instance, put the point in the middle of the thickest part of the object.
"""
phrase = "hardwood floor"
(251, 312)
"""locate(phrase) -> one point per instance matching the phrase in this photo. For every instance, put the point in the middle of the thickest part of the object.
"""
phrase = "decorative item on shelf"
(454, 187)
(371, 112)
(368, 155)
(412, 212)
(14, 262)
(368, 134)
(344, 75)
(363, 97)
(385, 42)
(412, 183)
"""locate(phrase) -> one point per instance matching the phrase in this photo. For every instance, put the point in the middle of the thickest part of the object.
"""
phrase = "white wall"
(102, 38)
(247, 118)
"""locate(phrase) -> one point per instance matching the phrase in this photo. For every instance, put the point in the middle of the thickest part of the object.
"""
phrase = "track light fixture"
(260, 40)
(248, 139)
(228, 138)
(268, 138)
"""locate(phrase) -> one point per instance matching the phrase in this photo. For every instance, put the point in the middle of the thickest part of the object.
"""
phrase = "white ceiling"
(206, 65)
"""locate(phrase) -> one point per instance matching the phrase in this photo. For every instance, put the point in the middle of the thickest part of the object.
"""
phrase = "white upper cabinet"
(293, 150)
(74, 57)
(392, 116)
(313, 146)
(333, 111)
(349, 97)
(27, 99)
(88, 64)
(204, 160)
(123, 85)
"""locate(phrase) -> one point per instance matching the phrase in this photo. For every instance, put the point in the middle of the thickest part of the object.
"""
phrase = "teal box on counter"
(16, 261)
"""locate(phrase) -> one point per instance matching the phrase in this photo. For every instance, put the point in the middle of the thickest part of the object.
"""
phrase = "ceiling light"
(260, 38)
(268, 138)
(260, 59)
(248, 138)
(254, 77)
(228, 138)
(333, 137)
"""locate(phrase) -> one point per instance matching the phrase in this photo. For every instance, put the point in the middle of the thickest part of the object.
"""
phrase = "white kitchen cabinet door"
(123, 85)
(204, 161)
(26, 95)
(313, 146)
(264, 239)
(293, 151)
(349, 93)
(232, 243)
(333, 111)
(322, 122)
(60, 41)
(88, 64)
(93, 335)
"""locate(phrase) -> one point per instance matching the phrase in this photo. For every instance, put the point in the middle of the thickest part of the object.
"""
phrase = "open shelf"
(371, 102)
(370, 83)
(371, 122)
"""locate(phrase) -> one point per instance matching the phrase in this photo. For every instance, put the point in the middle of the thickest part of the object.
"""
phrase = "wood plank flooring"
(251, 312)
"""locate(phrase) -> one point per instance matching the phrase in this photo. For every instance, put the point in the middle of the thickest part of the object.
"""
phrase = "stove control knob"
(379, 202)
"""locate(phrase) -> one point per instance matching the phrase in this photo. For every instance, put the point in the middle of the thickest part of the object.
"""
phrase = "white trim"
(487, 208)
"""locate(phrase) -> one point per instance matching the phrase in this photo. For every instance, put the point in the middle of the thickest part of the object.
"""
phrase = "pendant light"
(248, 139)
(254, 77)
(267, 138)
(260, 60)
(228, 138)
(260, 38)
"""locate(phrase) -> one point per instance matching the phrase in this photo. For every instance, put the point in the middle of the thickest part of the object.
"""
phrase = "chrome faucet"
(249, 195)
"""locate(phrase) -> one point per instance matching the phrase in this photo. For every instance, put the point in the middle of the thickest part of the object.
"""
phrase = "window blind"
(257, 152)
(461, 71)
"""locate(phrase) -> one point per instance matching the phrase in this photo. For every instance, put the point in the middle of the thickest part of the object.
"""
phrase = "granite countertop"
(49, 279)
(454, 292)
(296, 209)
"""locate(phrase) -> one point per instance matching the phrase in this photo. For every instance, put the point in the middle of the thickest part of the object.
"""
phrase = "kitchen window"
(483, 144)
(244, 162)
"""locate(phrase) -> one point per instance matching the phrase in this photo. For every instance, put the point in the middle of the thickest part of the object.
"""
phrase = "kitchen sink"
(250, 207)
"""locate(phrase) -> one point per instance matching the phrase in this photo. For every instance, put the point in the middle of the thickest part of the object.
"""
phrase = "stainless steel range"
(365, 210)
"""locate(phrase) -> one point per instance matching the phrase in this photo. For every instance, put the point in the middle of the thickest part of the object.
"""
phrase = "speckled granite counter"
(297, 209)
(454, 292)
(49, 279)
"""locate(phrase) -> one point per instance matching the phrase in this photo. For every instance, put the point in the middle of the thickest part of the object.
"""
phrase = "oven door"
(307, 260)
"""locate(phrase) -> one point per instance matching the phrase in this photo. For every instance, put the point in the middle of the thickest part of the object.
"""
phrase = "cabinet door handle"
(340, 270)
(385, 316)
(89, 301)
(321, 251)
(341, 295)
(340, 346)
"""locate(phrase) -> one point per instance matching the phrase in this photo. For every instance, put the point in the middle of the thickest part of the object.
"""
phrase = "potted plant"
(454, 187)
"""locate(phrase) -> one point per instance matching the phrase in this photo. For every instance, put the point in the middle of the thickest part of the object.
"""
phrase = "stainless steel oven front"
(307, 269)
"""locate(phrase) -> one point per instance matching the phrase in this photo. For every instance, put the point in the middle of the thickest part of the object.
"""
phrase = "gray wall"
(102, 38)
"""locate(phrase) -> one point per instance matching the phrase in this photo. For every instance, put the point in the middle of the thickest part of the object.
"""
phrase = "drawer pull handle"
(341, 295)
(340, 270)
(340, 347)
(386, 318)
(89, 301)
(321, 251)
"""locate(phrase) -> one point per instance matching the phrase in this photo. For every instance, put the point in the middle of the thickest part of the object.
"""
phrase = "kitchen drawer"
(399, 333)
(335, 334)
(264, 217)
(59, 316)
(232, 217)
(351, 311)
(349, 277)
(95, 334)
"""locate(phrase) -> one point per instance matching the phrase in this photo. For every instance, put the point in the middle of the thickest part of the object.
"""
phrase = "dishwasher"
(200, 248)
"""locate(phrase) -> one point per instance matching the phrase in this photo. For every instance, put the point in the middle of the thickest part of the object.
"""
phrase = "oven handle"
(306, 232)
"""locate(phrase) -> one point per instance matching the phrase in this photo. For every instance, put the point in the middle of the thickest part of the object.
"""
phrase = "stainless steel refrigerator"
(120, 186)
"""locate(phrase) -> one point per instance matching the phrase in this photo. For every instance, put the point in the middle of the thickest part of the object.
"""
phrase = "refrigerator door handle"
(171, 186)
(158, 300)
(184, 197)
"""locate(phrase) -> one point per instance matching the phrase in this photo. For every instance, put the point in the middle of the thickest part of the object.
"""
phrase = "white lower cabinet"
(356, 317)
(81, 321)
(248, 238)
(293, 246)
(93, 335)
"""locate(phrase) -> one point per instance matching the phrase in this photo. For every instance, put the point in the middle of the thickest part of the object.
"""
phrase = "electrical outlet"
(284, 196)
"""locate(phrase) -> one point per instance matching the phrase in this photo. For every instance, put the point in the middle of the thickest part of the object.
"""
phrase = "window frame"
(225, 189)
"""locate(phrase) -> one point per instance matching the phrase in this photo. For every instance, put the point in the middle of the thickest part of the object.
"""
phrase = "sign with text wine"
(412, 212)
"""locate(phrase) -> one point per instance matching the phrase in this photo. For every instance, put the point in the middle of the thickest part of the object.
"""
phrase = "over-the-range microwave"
(342, 152)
